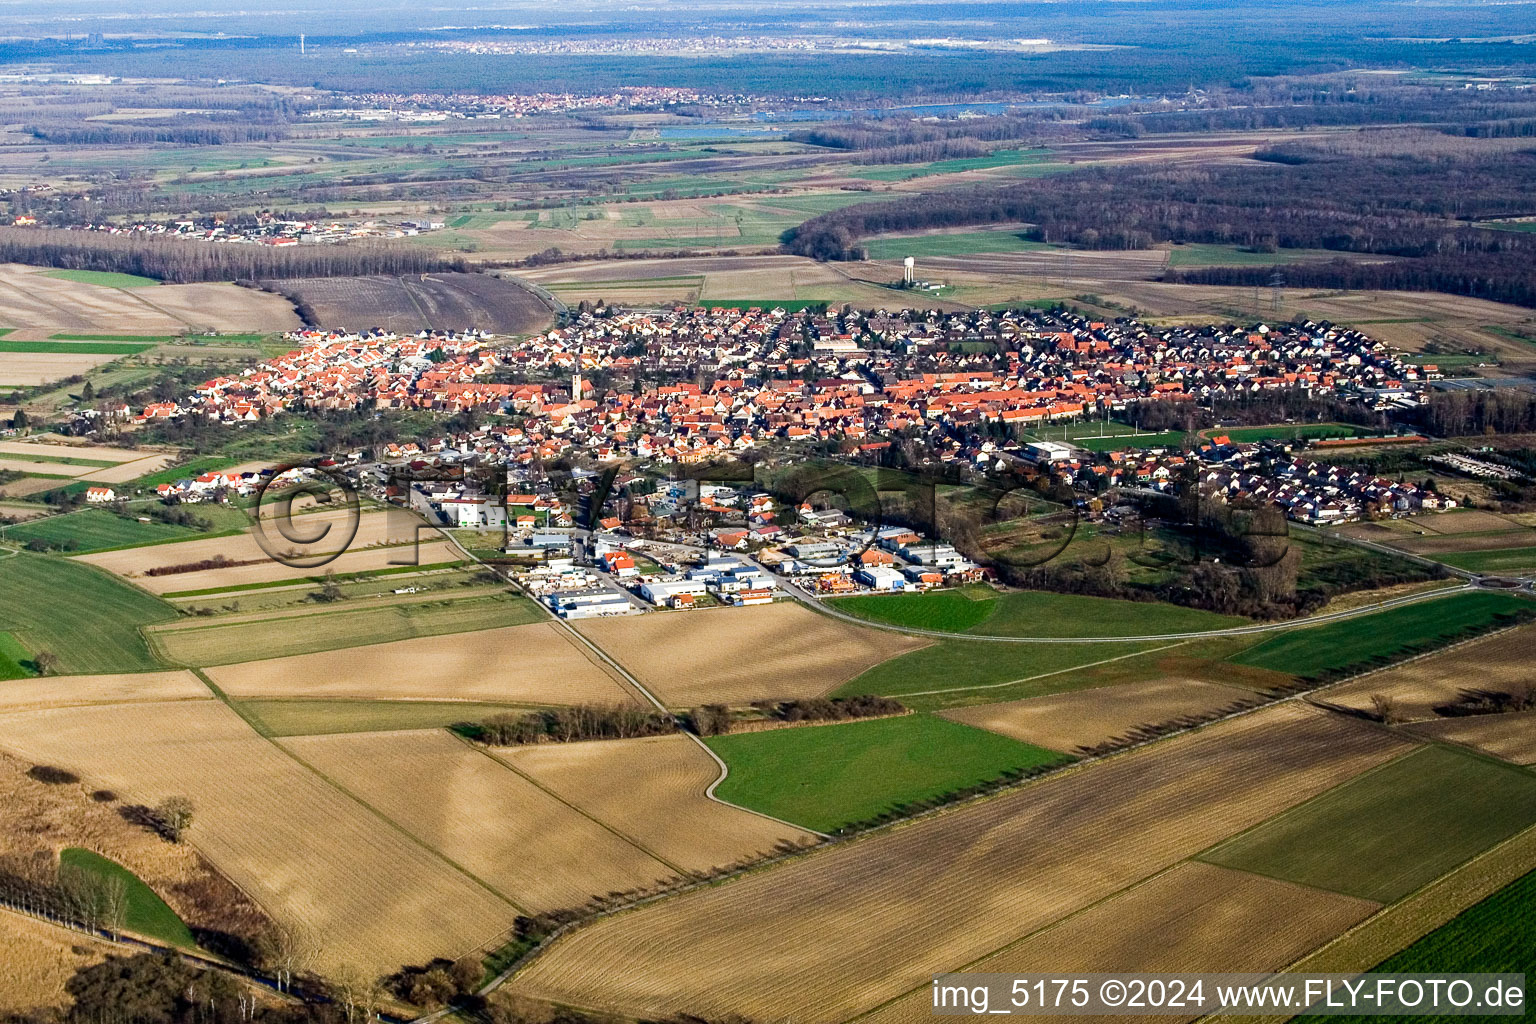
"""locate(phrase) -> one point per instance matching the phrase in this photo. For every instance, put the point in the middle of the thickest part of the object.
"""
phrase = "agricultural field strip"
(1274, 758)
(41, 692)
(483, 821)
(546, 790)
(311, 853)
(826, 608)
(1187, 917)
(661, 800)
(1510, 736)
(1042, 675)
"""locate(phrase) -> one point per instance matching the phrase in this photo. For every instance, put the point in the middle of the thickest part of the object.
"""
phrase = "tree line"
(183, 260)
(569, 725)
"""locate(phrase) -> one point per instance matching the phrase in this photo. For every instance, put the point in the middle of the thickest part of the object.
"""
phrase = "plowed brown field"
(313, 857)
(1086, 718)
(1193, 918)
(1499, 662)
(841, 931)
(532, 664)
(535, 850)
(736, 655)
(64, 691)
(1512, 737)
(653, 791)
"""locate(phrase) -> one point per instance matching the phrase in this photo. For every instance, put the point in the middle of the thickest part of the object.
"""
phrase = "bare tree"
(1385, 709)
(114, 905)
(174, 815)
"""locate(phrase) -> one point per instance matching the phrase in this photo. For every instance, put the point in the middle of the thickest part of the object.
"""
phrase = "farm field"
(31, 297)
(266, 636)
(53, 446)
(1083, 719)
(314, 858)
(1195, 917)
(959, 673)
(15, 660)
(71, 691)
(329, 531)
(861, 923)
(1035, 613)
(1494, 936)
(499, 827)
(87, 618)
(93, 529)
(895, 247)
(1386, 833)
(1511, 560)
(104, 278)
(264, 569)
(1509, 736)
(444, 301)
(1499, 662)
(826, 777)
(18, 369)
(1336, 646)
(529, 664)
(39, 960)
(737, 655)
(652, 790)
(319, 717)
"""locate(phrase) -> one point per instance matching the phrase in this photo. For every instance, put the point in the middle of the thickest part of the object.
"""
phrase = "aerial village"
(686, 386)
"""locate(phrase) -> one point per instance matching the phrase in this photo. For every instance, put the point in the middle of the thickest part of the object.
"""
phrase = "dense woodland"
(1415, 208)
(181, 261)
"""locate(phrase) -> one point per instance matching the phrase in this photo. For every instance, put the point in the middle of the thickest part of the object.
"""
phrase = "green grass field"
(104, 278)
(1376, 639)
(320, 717)
(77, 348)
(95, 529)
(137, 339)
(1288, 431)
(959, 673)
(1495, 560)
(1390, 831)
(952, 611)
(146, 913)
(85, 616)
(1165, 439)
(829, 776)
(14, 658)
(1494, 936)
(1036, 613)
(216, 643)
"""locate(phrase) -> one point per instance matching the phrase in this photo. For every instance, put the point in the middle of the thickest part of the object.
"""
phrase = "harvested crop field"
(533, 849)
(1499, 662)
(37, 959)
(315, 532)
(264, 569)
(1194, 918)
(29, 297)
(1510, 736)
(842, 930)
(71, 691)
(264, 636)
(1083, 719)
(52, 446)
(736, 655)
(532, 664)
(652, 790)
(456, 302)
(28, 369)
(314, 858)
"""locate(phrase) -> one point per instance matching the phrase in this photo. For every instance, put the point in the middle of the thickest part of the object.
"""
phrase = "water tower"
(906, 270)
